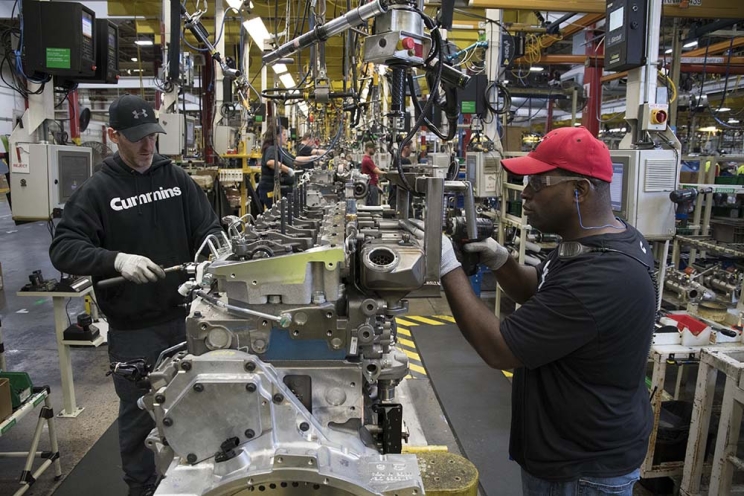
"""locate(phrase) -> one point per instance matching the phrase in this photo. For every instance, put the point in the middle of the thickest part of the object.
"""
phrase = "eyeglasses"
(537, 183)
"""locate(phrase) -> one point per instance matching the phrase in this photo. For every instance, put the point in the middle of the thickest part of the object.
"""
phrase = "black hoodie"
(161, 214)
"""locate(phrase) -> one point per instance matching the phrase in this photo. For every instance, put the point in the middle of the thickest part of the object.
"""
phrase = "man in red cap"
(579, 343)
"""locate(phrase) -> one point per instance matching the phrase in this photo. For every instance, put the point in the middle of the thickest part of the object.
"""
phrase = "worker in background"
(405, 159)
(273, 154)
(369, 168)
(579, 342)
(307, 148)
(139, 213)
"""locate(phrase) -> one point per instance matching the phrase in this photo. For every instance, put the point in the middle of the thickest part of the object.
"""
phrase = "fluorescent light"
(535, 68)
(733, 121)
(134, 59)
(724, 109)
(709, 129)
(279, 68)
(690, 44)
(143, 42)
(669, 50)
(287, 80)
(257, 30)
(234, 4)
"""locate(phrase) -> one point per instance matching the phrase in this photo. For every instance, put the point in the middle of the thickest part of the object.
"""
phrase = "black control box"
(107, 50)
(625, 35)
(59, 39)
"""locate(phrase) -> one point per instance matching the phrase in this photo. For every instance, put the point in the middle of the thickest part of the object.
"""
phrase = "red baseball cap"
(573, 149)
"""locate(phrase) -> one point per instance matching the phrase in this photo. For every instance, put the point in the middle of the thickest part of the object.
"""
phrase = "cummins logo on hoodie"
(161, 194)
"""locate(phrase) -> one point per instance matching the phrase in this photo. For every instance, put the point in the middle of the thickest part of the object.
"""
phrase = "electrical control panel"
(59, 39)
(483, 172)
(625, 37)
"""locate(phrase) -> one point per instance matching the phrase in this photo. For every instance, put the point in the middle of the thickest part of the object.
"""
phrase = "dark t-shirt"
(304, 150)
(580, 406)
(267, 173)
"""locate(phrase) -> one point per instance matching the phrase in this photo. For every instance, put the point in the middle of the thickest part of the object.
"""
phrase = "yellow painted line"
(509, 375)
(403, 331)
(404, 322)
(425, 449)
(417, 368)
(406, 342)
(424, 320)
(409, 376)
(412, 355)
(448, 318)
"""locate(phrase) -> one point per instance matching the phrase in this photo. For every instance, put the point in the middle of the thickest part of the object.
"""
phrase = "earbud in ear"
(576, 192)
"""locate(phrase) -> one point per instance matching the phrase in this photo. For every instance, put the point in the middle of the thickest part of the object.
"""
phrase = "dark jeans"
(584, 486)
(263, 194)
(135, 425)
(373, 196)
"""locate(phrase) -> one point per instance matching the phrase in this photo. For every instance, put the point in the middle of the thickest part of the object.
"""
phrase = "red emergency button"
(408, 43)
(659, 116)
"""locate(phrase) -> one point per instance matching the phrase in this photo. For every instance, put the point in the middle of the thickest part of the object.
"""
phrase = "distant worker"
(271, 153)
(579, 342)
(405, 159)
(138, 214)
(306, 148)
(369, 168)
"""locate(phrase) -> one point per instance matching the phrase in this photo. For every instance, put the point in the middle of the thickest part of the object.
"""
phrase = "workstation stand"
(61, 323)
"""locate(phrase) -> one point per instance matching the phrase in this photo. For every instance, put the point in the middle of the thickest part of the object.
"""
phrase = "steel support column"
(593, 83)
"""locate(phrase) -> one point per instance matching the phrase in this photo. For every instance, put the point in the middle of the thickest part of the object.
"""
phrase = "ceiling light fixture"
(287, 80)
(724, 109)
(279, 68)
(257, 30)
(690, 44)
(143, 42)
(134, 59)
(668, 51)
(733, 121)
(239, 4)
(535, 68)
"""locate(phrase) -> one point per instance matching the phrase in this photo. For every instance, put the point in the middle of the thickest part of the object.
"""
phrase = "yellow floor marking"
(404, 322)
(417, 368)
(448, 318)
(424, 320)
(404, 331)
(406, 342)
(412, 355)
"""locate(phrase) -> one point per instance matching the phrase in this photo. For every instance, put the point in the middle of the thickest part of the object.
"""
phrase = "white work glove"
(137, 268)
(290, 172)
(491, 254)
(449, 259)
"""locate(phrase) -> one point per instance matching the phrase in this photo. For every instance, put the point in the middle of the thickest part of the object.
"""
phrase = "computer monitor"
(190, 140)
(619, 186)
(74, 169)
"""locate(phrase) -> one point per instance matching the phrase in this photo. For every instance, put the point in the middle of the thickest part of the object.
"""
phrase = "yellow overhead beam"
(711, 9)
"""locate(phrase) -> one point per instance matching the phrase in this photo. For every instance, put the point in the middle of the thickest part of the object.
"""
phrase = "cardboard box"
(6, 407)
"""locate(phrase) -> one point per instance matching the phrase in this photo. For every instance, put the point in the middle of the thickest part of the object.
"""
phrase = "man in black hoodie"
(139, 213)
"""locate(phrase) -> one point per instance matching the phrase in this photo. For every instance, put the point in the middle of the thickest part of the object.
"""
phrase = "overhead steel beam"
(715, 48)
(561, 59)
(710, 9)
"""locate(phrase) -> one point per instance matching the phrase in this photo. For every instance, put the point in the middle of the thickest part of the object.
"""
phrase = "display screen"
(189, 133)
(74, 170)
(616, 187)
(87, 25)
(616, 18)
